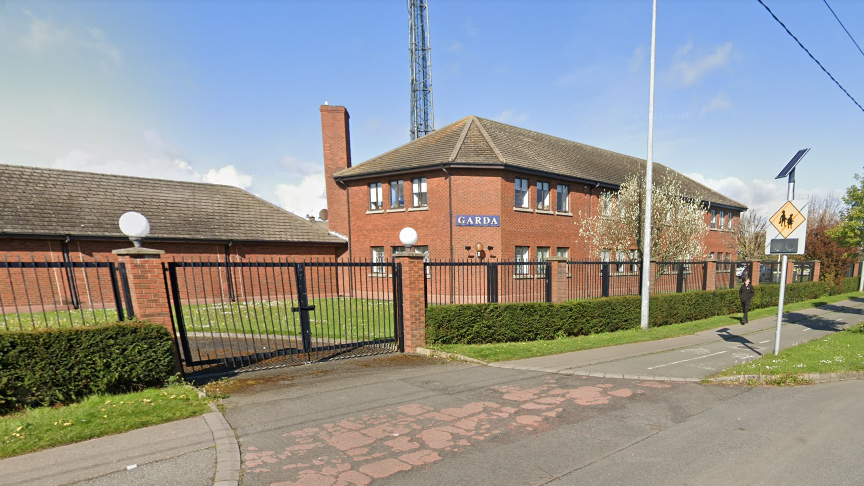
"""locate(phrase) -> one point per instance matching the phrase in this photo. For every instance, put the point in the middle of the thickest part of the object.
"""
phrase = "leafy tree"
(750, 235)
(678, 226)
(850, 231)
(825, 214)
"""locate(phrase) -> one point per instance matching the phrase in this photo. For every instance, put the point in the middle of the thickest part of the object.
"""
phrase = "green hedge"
(850, 284)
(47, 367)
(496, 323)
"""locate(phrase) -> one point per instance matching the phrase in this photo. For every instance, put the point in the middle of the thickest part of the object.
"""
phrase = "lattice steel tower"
(422, 119)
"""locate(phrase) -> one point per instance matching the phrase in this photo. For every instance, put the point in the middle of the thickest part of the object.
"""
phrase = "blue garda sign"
(476, 220)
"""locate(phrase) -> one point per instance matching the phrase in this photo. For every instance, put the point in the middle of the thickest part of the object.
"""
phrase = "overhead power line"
(811, 55)
(844, 27)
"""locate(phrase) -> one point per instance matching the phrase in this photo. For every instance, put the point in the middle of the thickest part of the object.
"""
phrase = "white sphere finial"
(135, 226)
(408, 236)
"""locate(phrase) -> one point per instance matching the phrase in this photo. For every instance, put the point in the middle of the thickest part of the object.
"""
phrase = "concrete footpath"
(204, 451)
(698, 356)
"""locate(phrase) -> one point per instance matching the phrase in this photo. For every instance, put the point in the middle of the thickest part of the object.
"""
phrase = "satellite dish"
(322, 215)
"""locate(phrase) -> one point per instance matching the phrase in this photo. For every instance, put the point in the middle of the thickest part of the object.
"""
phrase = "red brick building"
(513, 192)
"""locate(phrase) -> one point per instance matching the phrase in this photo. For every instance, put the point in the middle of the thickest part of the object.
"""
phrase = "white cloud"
(228, 176)
(687, 70)
(306, 197)
(636, 60)
(719, 103)
(511, 117)
(763, 196)
(303, 167)
(44, 35)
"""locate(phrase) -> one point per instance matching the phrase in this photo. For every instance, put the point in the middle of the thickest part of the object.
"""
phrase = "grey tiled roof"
(38, 201)
(478, 141)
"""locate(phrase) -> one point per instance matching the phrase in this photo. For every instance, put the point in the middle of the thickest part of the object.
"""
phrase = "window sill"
(523, 210)
(564, 213)
(543, 211)
(396, 210)
(419, 208)
(375, 211)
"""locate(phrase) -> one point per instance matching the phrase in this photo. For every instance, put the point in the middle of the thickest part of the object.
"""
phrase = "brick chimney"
(337, 157)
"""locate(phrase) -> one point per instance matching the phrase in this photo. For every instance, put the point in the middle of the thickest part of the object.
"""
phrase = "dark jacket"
(746, 292)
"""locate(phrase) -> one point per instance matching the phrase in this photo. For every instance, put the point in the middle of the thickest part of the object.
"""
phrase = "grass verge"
(836, 353)
(510, 351)
(97, 416)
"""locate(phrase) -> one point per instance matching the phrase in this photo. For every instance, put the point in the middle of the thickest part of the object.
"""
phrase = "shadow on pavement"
(734, 338)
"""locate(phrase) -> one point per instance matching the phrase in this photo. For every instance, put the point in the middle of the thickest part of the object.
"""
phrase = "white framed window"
(561, 252)
(711, 255)
(621, 259)
(729, 222)
(542, 256)
(543, 195)
(424, 249)
(521, 193)
(397, 194)
(419, 190)
(522, 256)
(713, 218)
(606, 207)
(562, 200)
(376, 200)
(634, 261)
(721, 222)
(605, 255)
(378, 257)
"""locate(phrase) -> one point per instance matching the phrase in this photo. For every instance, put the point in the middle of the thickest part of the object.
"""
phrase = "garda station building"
(478, 188)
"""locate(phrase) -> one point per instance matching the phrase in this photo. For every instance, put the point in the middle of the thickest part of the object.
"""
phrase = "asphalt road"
(410, 420)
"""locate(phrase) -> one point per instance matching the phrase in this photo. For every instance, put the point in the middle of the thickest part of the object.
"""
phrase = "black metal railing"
(468, 282)
(52, 295)
(803, 271)
(280, 312)
(770, 272)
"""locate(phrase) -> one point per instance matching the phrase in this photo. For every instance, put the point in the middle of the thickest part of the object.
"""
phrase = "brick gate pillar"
(790, 271)
(817, 270)
(559, 278)
(147, 288)
(710, 275)
(756, 272)
(413, 300)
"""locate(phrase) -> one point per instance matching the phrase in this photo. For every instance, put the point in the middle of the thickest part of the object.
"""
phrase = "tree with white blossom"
(678, 227)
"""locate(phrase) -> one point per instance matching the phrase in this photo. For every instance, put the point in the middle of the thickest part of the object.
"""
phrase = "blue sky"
(228, 91)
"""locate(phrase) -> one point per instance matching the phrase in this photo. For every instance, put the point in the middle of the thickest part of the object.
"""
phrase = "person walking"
(746, 293)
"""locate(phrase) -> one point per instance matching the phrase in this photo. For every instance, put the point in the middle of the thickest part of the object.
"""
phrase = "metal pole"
(790, 195)
(646, 241)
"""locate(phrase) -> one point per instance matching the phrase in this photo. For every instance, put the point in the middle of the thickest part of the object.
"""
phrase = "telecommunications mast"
(422, 119)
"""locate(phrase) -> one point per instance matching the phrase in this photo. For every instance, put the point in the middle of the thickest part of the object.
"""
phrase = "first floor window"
(562, 202)
(419, 190)
(563, 252)
(521, 256)
(542, 256)
(713, 218)
(606, 206)
(521, 193)
(397, 196)
(376, 201)
(721, 222)
(729, 223)
(543, 195)
(377, 257)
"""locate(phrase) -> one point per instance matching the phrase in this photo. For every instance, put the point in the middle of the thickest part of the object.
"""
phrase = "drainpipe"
(229, 279)
(348, 205)
(70, 276)
(450, 221)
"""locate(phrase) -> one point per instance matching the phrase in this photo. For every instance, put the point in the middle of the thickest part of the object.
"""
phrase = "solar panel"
(792, 163)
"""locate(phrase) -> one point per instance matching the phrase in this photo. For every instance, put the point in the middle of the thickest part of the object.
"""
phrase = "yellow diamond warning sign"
(787, 219)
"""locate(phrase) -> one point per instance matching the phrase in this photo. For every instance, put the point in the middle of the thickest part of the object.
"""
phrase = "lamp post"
(135, 226)
(408, 237)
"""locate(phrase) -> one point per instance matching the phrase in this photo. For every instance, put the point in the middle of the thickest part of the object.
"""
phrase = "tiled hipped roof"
(482, 142)
(41, 202)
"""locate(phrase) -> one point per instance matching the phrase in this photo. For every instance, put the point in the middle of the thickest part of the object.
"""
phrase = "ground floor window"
(378, 257)
(542, 256)
(522, 256)
(562, 252)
